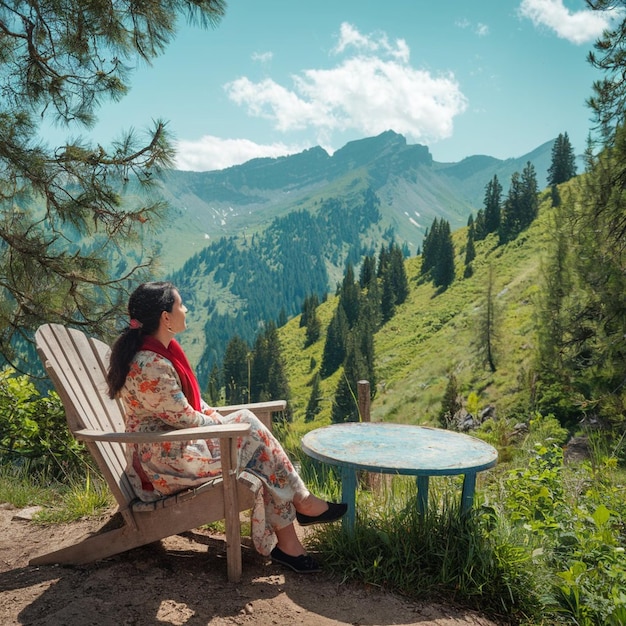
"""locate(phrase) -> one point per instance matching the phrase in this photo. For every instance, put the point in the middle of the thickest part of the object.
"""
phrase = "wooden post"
(363, 398)
(363, 395)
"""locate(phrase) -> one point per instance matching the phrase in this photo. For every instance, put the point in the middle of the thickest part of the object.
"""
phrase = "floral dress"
(154, 401)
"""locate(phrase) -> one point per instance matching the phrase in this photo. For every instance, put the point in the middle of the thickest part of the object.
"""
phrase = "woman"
(151, 375)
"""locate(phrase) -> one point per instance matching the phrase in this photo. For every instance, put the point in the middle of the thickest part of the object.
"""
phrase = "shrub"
(33, 430)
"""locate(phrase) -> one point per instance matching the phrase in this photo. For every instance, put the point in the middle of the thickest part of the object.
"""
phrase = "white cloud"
(350, 37)
(213, 153)
(480, 29)
(577, 27)
(373, 90)
(262, 57)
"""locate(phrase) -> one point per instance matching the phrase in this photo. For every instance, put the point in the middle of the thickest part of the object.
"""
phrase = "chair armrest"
(272, 406)
(263, 410)
(216, 431)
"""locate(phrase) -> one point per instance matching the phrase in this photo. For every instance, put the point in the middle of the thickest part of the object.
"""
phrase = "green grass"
(441, 556)
(78, 497)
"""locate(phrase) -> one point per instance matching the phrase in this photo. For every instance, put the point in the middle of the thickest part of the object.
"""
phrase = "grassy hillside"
(432, 334)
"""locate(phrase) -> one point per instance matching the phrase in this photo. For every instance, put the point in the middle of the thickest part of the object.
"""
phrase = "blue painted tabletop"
(399, 448)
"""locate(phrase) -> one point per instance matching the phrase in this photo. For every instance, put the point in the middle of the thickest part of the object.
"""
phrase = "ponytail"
(145, 306)
(122, 353)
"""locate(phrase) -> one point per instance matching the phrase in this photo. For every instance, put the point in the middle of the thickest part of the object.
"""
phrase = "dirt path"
(176, 582)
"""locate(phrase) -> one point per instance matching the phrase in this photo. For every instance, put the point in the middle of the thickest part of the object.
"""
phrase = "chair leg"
(93, 548)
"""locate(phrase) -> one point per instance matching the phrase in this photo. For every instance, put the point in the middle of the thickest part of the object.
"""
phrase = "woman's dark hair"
(145, 306)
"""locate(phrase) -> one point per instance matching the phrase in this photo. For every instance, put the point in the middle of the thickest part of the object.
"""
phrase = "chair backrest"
(77, 366)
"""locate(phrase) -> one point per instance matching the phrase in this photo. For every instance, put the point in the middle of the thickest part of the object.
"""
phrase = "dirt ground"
(182, 581)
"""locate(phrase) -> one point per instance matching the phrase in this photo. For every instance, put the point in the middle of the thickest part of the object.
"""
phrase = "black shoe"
(303, 564)
(334, 512)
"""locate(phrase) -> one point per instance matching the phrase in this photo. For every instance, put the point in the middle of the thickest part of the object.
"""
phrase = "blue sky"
(495, 77)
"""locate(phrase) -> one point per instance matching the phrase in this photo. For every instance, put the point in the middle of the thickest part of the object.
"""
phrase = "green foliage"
(521, 204)
(310, 320)
(563, 165)
(608, 102)
(544, 545)
(573, 523)
(237, 370)
(33, 429)
(492, 207)
(335, 344)
(450, 404)
(470, 249)
(438, 254)
(62, 213)
(267, 378)
(439, 555)
(582, 319)
(488, 332)
(313, 407)
(275, 270)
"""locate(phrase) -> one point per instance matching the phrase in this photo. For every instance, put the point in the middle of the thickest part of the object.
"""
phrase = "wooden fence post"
(367, 479)
(363, 396)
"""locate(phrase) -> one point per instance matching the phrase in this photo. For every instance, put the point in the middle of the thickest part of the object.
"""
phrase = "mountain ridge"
(243, 199)
(242, 236)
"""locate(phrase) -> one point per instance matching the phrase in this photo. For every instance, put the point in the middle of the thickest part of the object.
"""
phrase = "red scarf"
(178, 358)
(188, 382)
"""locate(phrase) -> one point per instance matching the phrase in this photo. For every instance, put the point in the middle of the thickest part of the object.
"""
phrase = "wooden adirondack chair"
(77, 365)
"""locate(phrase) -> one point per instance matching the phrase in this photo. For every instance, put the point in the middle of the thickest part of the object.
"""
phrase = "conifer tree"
(60, 61)
(521, 204)
(554, 324)
(608, 102)
(529, 199)
(451, 403)
(236, 372)
(443, 269)
(310, 320)
(349, 296)
(397, 273)
(589, 303)
(371, 304)
(429, 247)
(335, 344)
(470, 250)
(313, 330)
(214, 387)
(313, 406)
(563, 164)
(492, 205)
(487, 334)
(267, 377)
(587, 310)
(358, 365)
(383, 260)
(479, 225)
(388, 298)
(368, 271)
(510, 223)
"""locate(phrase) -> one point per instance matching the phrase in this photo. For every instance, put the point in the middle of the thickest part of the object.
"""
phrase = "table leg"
(467, 496)
(422, 494)
(348, 495)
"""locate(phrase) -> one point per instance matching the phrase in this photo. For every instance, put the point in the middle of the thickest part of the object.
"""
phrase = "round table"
(387, 448)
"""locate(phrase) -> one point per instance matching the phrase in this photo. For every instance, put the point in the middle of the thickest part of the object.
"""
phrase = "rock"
(576, 450)
(28, 513)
